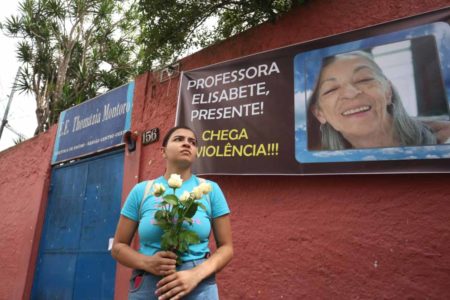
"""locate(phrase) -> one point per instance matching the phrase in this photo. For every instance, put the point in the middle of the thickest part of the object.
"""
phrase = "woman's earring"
(390, 108)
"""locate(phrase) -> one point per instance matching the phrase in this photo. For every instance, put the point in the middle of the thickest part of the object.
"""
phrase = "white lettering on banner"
(108, 113)
(112, 112)
(244, 110)
(234, 93)
(92, 119)
(233, 76)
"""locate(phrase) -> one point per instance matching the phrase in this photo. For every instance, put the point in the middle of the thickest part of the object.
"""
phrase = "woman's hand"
(177, 285)
(163, 263)
(441, 130)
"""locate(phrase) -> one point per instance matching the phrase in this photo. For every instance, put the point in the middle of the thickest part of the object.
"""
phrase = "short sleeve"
(219, 204)
(130, 208)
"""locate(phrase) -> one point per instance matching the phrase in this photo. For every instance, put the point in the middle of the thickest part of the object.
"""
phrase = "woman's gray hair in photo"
(410, 132)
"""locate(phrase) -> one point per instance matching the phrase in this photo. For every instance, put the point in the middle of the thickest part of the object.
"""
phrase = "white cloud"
(369, 157)
(301, 127)
(329, 153)
(392, 150)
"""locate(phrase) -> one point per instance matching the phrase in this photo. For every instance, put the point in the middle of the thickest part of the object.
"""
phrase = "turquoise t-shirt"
(150, 233)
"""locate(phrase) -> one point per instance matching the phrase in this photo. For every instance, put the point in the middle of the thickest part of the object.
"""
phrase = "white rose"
(175, 181)
(197, 192)
(158, 189)
(185, 196)
(205, 188)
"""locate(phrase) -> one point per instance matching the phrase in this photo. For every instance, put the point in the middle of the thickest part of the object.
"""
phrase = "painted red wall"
(24, 181)
(316, 237)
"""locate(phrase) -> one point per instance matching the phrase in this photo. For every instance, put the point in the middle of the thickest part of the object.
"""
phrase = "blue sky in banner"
(306, 69)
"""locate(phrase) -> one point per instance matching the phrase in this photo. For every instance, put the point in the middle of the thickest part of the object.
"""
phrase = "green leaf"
(171, 199)
(201, 205)
(169, 240)
(190, 237)
(179, 211)
(183, 246)
(164, 225)
(160, 215)
(169, 29)
(43, 29)
(192, 210)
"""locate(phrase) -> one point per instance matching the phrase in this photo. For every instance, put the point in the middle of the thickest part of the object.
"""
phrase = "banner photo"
(94, 125)
(374, 100)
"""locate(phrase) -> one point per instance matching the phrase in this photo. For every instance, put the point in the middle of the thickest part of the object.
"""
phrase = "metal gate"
(82, 213)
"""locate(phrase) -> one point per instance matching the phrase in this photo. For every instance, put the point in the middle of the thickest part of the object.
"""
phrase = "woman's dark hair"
(172, 130)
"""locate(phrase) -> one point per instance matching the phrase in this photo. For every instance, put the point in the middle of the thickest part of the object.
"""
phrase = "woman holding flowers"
(174, 223)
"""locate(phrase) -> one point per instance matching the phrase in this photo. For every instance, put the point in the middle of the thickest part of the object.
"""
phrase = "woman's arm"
(181, 283)
(162, 263)
(224, 253)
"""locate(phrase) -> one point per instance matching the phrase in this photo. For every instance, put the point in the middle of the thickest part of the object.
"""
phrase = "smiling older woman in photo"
(358, 107)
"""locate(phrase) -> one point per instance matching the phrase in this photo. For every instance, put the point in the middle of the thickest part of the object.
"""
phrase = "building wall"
(24, 181)
(315, 237)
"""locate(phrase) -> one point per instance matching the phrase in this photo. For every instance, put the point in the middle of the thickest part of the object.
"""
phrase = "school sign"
(94, 125)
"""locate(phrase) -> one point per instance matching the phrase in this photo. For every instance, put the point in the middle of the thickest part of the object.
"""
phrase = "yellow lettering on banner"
(209, 149)
(225, 135)
(227, 150)
(246, 153)
(247, 150)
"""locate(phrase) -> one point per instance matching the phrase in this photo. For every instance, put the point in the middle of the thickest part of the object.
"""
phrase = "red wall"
(24, 181)
(316, 237)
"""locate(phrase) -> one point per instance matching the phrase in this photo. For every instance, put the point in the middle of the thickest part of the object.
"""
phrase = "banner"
(94, 125)
(374, 100)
